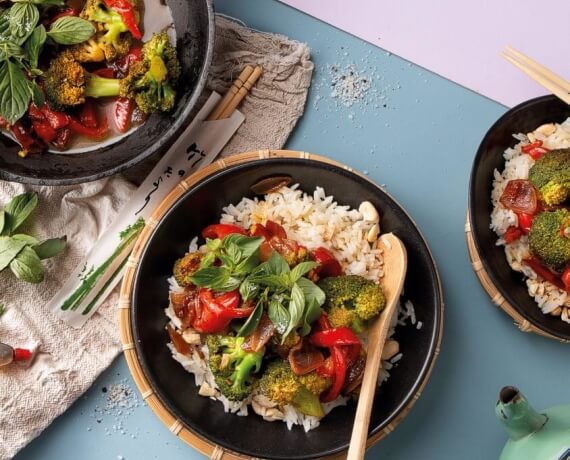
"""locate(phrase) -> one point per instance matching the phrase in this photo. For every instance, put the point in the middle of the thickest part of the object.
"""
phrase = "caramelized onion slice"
(520, 196)
(262, 334)
(305, 358)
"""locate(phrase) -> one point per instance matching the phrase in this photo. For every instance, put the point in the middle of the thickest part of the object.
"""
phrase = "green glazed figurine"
(533, 435)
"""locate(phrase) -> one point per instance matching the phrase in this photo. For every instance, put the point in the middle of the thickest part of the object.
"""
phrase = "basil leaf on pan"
(29, 240)
(34, 44)
(15, 93)
(210, 276)
(278, 315)
(50, 248)
(246, 244)
(301, 269)
(10, 49)
(296, 309)
(312, 313)
(248, 290)
(19, 209)
(37, 94)
(9, 249)
(23, 18)
(252, 321)
(311, 291)
(71, 30)
(27, 266)
(5, 34)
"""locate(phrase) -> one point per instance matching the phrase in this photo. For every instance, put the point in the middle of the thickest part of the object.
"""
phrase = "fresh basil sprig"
(71, 30)
(23, 253)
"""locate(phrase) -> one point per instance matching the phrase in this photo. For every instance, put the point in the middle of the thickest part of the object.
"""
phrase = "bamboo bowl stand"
(176, 426)
(520, 321)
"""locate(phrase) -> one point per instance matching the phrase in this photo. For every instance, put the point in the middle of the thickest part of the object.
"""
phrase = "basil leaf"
(50, 248)
(71, 30)
(42, 2)
(277, 264)
(301, 269)
(10, 49)
(210, 276)
(15, 93)
(23, 18)
(278, 282)
(27, 266)
(5, 25)
(311, 291)
(312, 313)
(29, 240)
(278, 315)
(2, 220)
(248, 290)
(296, 309)
(207, 260)
(233, 255)
(246, 244)
(213, 245)
(231, 284)
(19, 209)
(252, 321)
(9, 249)
(2, 309)
(247, 265)
(34, 44)
(37, 94)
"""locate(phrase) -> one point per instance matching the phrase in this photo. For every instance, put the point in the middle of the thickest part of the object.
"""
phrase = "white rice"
(549, 298)
(314, 220)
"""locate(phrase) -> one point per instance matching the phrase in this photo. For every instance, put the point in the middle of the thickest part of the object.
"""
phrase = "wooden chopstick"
(232, 92)
(543, 76)
(248, 84)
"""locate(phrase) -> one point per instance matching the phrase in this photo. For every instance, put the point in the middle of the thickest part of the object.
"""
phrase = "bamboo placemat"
(176, 426)
(496, 297)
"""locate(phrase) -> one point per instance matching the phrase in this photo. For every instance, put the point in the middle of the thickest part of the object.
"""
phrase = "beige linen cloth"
(30, 398)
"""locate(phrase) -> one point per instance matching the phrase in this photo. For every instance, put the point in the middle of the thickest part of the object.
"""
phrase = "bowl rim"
(166, 140)
(488, 268)
(138, 368)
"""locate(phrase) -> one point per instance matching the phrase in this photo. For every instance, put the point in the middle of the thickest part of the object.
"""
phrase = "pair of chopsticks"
(236, 93)
(554, 83)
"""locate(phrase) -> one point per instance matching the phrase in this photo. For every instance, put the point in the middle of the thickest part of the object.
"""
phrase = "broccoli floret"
(550, 175)
(67, 83)
(315, 383)
(232, 366)
(352, 300)
(113, 39)
(548, 241)
(153, 79)
(282, 386)
(184, 268)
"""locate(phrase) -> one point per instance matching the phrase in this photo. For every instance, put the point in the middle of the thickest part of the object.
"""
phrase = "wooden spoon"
(395, 265)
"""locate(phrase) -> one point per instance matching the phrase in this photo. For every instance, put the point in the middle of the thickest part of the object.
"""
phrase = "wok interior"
(250, 435)
(192, 21)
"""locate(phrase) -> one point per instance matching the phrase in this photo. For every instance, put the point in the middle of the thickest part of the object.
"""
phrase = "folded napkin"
(71, 359)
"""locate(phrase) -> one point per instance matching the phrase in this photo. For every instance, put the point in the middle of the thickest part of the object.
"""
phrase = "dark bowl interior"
(521, 119)
(202, 205)
(194, 25)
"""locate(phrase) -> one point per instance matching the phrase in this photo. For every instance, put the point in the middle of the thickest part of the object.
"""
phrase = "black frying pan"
(194, 24)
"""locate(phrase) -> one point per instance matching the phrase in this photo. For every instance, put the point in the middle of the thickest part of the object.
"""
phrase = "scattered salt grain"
(419, 325)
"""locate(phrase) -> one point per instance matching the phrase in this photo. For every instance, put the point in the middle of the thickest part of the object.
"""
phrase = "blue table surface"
(417, 134)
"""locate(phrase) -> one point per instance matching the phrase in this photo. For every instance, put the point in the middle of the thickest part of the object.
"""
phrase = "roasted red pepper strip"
(56, 120)
(221, 231)
(259, 230)
(216, 313)
(88, 115)
(333, 337)
(123, 64)
(544, 272)
(23, 136)
(329, 266)
(512, 234)
(525, 222)
(62, 139)
(127, 12)
(93, 133)
(105, 72)
(340, 366)
(122, 112)
(566, 279)
(274, 229)
(44, 131)
(527, 148)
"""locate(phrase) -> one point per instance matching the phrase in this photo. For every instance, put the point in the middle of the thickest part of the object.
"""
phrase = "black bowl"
(201, 205)
(194, 24)
(520, 119)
